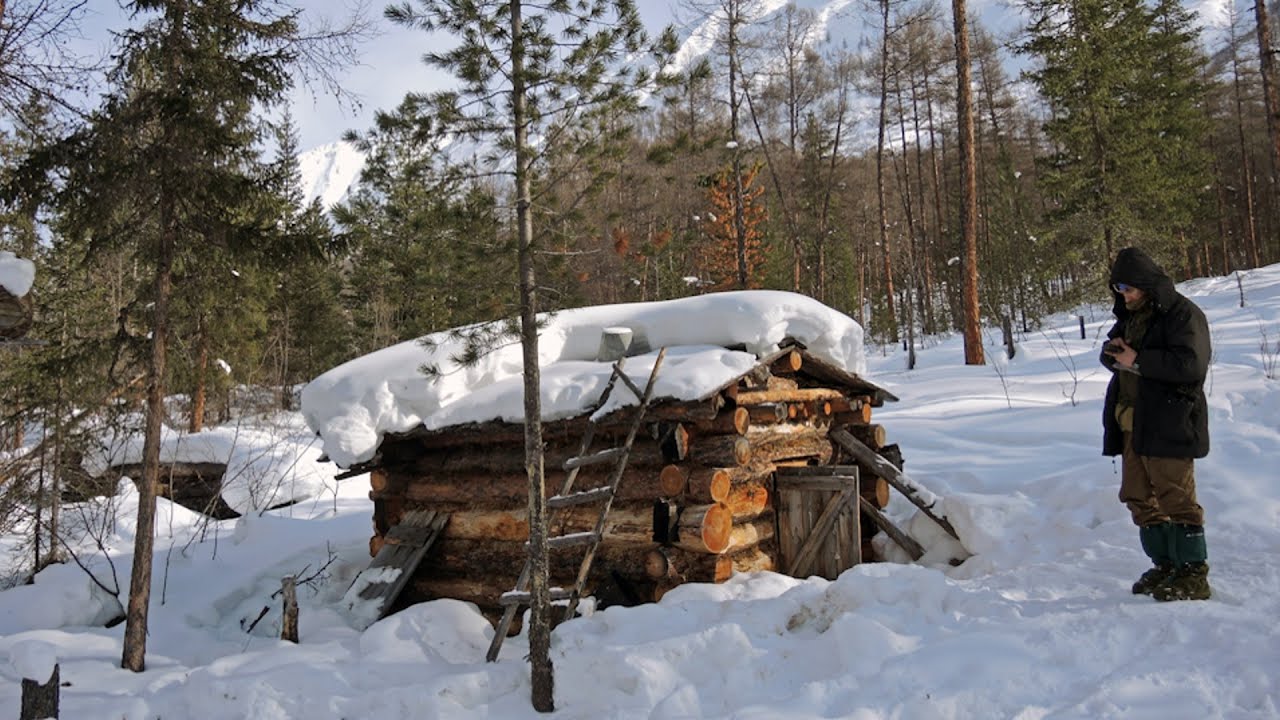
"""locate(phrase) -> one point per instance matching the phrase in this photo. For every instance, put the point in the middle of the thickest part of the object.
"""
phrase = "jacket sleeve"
(1107, 361)
(1185, 358)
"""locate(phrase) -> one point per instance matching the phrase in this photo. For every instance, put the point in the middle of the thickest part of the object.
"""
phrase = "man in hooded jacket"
(1156, 418)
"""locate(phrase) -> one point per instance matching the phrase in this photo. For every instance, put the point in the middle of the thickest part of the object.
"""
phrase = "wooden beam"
(913, 548)
(916, 493)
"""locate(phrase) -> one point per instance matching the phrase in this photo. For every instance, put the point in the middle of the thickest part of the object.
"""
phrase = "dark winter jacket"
(1171, 418)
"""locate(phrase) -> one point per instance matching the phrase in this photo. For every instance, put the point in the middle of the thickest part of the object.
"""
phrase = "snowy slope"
(329, 172)
(1039, 623)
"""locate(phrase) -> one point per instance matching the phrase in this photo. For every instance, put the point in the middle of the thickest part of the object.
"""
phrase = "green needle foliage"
(1127, 123)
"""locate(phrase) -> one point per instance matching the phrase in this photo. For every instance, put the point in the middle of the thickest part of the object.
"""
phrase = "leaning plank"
(904, 540)
(915, 492)
(406, 544)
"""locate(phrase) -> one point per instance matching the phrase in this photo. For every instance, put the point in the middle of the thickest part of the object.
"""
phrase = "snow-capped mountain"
(329, 172)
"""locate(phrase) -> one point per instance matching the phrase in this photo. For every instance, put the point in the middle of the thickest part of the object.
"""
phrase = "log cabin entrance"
(819, 520)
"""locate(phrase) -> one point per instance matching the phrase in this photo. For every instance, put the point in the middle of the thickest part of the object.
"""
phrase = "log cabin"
(743, 478)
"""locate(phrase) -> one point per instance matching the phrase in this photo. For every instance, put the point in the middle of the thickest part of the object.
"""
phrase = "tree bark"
(881, 199)
(541, 680)
(973, 352)
(1267, 63)
(289, 618)
(135, 633)
(40, 699)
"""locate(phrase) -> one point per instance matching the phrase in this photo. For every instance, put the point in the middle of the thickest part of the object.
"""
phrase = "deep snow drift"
(1038, 623)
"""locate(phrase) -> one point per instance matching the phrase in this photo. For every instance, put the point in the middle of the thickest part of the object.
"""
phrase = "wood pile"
(695, 504)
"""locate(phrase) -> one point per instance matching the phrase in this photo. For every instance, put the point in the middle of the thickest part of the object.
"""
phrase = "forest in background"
(171, 239)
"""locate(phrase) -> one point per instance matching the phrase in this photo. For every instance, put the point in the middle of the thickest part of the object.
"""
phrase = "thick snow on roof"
(16, 274)
(353, 405)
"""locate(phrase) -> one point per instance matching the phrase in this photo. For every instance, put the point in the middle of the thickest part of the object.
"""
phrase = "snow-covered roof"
(16, 274)
(352, 406)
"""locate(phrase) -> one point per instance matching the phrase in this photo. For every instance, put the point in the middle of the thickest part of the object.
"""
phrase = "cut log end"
(713, 523)
(673, 480)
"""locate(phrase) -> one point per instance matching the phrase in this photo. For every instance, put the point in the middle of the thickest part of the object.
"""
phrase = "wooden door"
(819, 521)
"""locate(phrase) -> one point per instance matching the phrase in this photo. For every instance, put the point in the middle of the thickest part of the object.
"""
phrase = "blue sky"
(390, 63)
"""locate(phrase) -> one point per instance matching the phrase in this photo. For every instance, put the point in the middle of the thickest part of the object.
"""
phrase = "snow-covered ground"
(1038, 623)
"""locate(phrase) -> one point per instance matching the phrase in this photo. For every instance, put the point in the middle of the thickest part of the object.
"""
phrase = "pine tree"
(531, 72)
(168, 171)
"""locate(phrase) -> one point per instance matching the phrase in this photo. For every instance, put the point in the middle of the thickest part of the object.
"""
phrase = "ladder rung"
(580, 498)
(524, 597)
(572, 540)
(601, 457)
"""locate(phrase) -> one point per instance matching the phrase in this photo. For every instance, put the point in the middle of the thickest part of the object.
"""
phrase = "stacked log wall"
(695, 503)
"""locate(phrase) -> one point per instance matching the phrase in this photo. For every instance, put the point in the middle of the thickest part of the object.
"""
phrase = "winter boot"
(1190, 581)
(1157, 544)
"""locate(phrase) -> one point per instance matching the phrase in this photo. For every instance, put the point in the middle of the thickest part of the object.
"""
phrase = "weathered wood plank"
(820, 532)
(407, 543)
(905, 541)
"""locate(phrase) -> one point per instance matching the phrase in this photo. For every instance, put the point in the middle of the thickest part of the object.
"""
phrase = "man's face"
(1133, 296)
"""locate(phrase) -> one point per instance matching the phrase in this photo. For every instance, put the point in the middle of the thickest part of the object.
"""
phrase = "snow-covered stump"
(40, 700)
(37, 663)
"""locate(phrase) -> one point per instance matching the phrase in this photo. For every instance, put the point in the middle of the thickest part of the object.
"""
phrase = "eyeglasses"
(1121, 287)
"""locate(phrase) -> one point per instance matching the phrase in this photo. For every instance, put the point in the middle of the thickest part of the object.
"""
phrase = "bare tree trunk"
(973, 352)
(886, 259)
(1251, 230)
(739, 213)
(541, 672)
(135, 632)
(1266, 58)
(198, 397)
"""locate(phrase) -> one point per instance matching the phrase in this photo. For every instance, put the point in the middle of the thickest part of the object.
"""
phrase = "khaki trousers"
(1157, 489)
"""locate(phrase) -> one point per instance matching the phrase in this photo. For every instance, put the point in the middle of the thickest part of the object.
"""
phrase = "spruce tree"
(1121, 80)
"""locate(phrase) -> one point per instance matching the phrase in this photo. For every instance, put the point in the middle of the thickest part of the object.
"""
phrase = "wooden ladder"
(567, 498)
